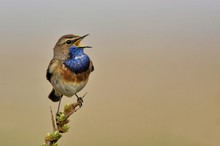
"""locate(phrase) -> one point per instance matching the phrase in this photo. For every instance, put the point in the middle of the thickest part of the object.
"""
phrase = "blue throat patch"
(78, 61)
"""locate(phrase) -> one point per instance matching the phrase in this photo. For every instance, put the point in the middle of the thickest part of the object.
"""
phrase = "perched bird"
(69, 69)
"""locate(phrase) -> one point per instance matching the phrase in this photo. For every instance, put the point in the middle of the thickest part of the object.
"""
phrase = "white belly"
(67, 88)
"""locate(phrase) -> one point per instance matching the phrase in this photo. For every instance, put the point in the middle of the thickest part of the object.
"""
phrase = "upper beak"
(79, 39)
(82, 37)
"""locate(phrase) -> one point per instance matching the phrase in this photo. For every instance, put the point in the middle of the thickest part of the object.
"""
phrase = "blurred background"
(156, 79)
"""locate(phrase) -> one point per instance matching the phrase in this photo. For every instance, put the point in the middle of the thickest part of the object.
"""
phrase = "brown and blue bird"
(69, 69)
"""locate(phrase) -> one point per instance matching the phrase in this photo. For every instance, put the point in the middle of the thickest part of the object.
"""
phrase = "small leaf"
(67, 108)
(56, 135)
(44, 144)
(60, 118)
(65, 128)
(49, 137)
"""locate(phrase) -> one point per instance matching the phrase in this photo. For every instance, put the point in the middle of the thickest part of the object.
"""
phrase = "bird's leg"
(58, 108)
(80, 100)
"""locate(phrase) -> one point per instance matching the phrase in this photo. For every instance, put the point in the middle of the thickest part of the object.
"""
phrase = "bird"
(70, 68)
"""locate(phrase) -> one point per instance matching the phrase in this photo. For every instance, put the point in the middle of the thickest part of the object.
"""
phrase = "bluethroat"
(69, 69)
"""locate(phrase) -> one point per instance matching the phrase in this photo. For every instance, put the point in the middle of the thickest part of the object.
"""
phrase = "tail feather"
(54, 96)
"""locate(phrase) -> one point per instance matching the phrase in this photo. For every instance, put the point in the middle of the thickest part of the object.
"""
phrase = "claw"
(79, 100)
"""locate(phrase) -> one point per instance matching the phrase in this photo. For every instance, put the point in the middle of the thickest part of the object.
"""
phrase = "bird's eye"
(68, 41)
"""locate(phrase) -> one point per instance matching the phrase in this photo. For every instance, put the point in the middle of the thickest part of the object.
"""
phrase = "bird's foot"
(79, 100)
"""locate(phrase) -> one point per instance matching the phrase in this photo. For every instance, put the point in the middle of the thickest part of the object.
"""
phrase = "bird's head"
(66, 41)
(63, 45)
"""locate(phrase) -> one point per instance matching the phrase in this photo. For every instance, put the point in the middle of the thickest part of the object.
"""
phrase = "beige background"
(156, 79)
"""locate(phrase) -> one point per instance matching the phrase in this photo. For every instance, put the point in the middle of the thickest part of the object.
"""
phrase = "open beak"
(78, 40)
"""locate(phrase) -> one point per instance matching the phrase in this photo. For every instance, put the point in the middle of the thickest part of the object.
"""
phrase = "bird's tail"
(54, 96)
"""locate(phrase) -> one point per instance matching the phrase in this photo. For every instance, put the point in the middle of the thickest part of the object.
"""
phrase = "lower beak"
(84, 47)
(79, 39)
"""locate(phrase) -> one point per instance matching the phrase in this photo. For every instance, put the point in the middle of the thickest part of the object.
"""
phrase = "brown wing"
(91, 67)
(49, 74)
